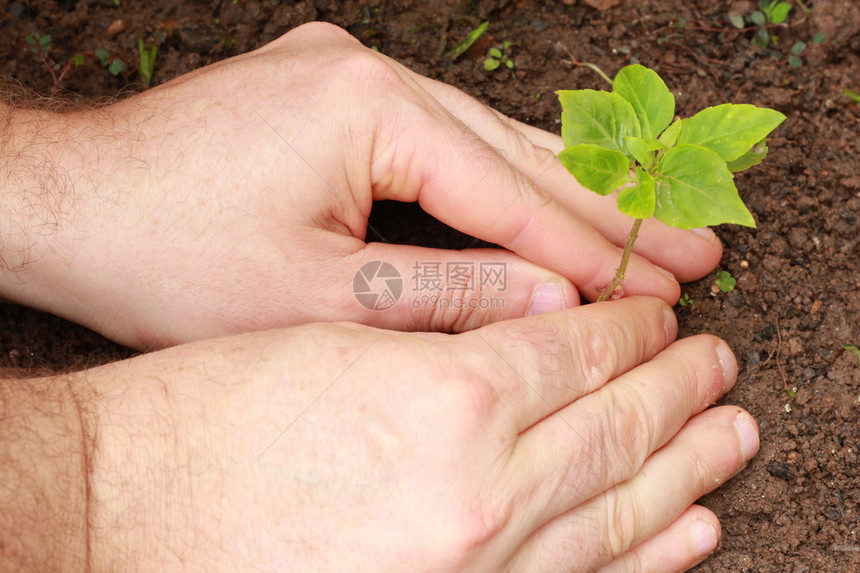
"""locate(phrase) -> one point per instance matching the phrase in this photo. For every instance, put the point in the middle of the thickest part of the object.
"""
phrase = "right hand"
(566, 441)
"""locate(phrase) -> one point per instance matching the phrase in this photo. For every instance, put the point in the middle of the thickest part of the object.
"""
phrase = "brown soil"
(795, 508)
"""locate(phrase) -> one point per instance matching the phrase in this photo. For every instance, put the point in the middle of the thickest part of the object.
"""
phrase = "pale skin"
(235, 199)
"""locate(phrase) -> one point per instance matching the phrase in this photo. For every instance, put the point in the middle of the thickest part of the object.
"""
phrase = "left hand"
(236, 198)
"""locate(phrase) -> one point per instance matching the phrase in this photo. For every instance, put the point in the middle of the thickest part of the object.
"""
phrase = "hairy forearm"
(44, 457)
(33, 199)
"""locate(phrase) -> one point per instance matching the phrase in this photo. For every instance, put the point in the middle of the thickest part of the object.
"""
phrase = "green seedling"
(39, 45)
(686, 300)
(770, 13)
(855, 97)
(725, 281)
(679, 171)
(113, 64)
(497, 58)
(147, 62)
(799, 48)
(470, 40)
(854, 350)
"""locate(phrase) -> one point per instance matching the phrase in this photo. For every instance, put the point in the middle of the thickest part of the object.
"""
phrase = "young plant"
(725, 281)
(147, 62)
(799, 48)
(853, 350)
(679, 172)
(497, 58)
(770, 13)
(113, 64)
(471, 38)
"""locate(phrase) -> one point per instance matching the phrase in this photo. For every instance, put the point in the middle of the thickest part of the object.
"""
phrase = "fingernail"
(748, 431)
(546, 297)
(705, 537)
(705, 232)
(666, 273)
(728, 364)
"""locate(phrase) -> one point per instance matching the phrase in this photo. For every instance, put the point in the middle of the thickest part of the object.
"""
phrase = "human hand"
(569, 441)
(236, 198)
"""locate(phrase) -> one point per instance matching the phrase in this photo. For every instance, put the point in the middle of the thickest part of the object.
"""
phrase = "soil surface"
(796, 304)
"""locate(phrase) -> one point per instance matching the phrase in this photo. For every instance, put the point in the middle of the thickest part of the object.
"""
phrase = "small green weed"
(147, 62)
(497, 58)
(855, 97)
(686, 300)
(113, 64)
(853, 350)
(470, 40)
(39, 45)
(799, 48)
(725, 281)
(770, 13)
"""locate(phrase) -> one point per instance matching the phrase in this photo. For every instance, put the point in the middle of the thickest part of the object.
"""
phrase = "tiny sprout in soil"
(854, 350)
(686, 300)
(471, 38)
(725, 281)
(676, 170)
(497, 58)
(147, 62)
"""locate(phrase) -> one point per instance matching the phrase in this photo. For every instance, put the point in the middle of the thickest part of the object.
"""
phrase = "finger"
(613, 431)
(681, 545)
(711, 448)
(538, 366)
(423, 153)
(445, 290)
(689, 255)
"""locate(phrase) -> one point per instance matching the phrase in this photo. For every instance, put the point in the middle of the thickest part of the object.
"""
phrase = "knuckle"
(624, 522)
(628, 433)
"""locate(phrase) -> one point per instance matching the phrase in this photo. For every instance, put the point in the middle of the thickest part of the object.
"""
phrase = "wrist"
(33, 204)
(44, 456)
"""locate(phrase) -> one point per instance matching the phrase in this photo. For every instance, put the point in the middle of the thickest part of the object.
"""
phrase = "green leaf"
(103, 56)
(754, 156)
(758, 18)
(818, 38)
(798, 48)
(596, 168)
(779, 14)
(736, 20)
(852, 94)
(116, 66)
(725, 281)
(638, 201)
(495, 53)
(471, 38)
(641, 150)
(694, 188)
(596, 117)
(670, 136)
(795, 61)
(728, 129)
(761, 38)
(853, 349)
(652, 101)
(491, 64)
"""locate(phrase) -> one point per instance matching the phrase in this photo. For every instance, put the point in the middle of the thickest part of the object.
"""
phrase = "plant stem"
(593, 67)
(622, 268)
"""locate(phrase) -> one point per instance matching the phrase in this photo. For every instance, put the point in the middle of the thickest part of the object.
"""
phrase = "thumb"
(415, 288)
